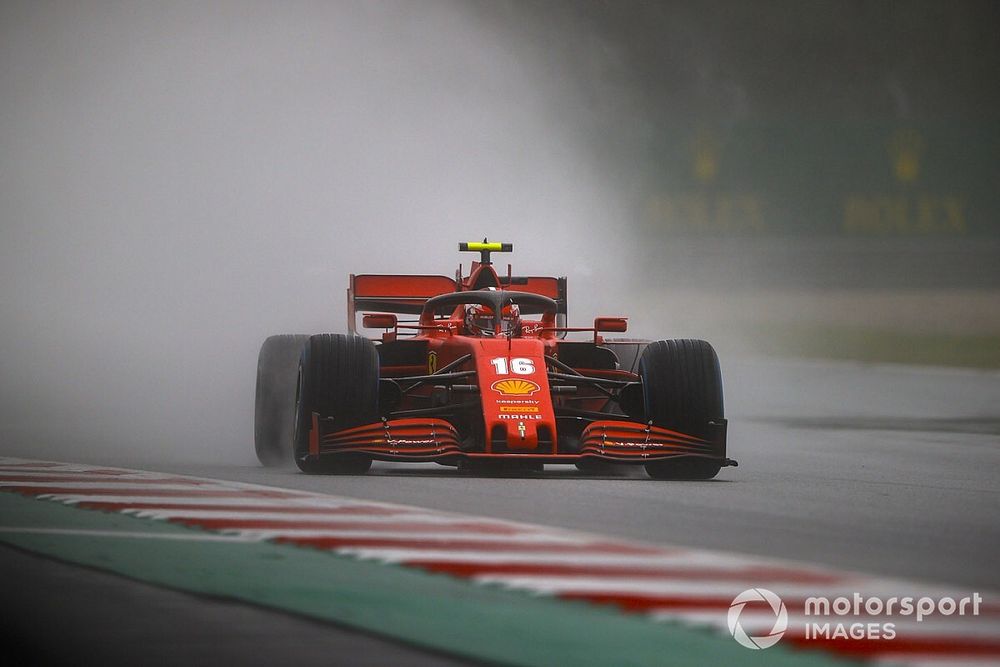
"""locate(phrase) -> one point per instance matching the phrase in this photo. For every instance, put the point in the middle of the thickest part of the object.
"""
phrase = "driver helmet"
(479, 320)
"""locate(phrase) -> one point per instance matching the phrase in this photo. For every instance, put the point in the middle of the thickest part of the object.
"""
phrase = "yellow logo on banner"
(523, 408)
(905, 149)
(707, 152)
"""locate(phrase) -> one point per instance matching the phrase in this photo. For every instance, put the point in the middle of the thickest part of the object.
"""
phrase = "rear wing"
(406, 294)
(392, 294)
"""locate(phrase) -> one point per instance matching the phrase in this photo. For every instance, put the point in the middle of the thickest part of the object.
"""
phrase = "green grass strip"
(879, 346)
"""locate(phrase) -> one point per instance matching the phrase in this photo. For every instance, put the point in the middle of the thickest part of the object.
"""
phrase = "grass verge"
(878, 345)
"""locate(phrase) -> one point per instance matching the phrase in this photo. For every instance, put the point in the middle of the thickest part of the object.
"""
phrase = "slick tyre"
(338, 379)
(274, 401)
(682, 389)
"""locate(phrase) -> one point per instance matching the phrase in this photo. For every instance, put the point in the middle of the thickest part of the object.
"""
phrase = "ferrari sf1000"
(483, 376)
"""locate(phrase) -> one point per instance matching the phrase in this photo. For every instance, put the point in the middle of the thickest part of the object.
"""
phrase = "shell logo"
(515, 387)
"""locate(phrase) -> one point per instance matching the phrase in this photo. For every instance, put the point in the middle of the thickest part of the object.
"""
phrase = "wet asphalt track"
(886, 469)
(883, 469)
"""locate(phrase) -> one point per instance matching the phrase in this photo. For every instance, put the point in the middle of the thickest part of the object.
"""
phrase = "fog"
(180, 180)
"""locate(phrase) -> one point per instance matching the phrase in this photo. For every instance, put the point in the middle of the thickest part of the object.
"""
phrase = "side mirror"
(379, 321)
(611, 324)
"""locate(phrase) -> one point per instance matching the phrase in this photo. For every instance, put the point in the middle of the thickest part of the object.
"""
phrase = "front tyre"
(682, 389)
(274, 399)
(338, 379)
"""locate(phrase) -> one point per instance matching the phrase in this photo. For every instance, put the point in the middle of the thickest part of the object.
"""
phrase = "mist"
(181, 180)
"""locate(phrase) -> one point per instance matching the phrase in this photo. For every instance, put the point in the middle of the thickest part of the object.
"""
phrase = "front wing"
(431, 439)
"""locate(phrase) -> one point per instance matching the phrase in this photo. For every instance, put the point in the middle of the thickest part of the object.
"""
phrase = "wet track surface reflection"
(988, 425)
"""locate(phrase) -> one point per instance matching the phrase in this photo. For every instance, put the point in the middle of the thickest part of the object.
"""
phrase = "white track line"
(650, 587)
(226, 501)
(59, 473)
(81, 532)
(151, 497)
(669, 557)
(116, 485)
(760, 623)
(411, 536)
(332, 515)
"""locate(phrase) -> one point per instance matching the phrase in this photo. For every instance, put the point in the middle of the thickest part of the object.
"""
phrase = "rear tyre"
(274, 401)
(338, 378)
(682, 388)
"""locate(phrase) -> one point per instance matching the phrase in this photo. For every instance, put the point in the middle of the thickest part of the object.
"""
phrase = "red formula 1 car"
(485, 378)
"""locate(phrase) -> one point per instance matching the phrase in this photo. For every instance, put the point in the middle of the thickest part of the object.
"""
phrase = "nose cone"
(514, 390)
